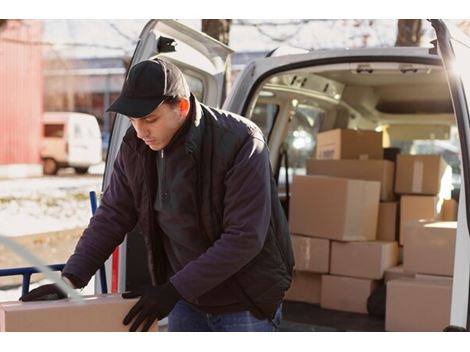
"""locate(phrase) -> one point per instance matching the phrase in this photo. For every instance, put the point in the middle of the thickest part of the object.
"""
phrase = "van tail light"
(66, 147)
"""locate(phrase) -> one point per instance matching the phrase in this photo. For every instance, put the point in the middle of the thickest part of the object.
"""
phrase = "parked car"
(70, 139)
(407, 93)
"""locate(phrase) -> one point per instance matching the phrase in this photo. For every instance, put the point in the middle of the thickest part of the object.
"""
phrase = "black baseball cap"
(148, 84)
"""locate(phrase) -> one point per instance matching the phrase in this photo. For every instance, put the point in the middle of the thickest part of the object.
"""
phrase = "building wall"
(21, 93)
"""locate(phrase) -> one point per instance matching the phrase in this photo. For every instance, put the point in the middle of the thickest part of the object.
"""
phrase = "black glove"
(155, 302)
(50, 292)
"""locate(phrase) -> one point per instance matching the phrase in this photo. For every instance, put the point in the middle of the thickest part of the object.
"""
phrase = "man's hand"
(51, 292)
(155, 302)
(47, 292)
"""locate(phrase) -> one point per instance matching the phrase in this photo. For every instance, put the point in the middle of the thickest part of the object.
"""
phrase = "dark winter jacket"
(255, 263)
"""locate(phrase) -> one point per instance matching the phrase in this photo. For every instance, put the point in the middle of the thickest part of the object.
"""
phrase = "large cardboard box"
(418, 304)
(367, 260)
(346, 293)
(382, 171)
(429, 247)
(423, 174)
(349, 144)
(311, 254)
(387, 221)
(415, 208)
(305, 287)
(96, 313)
(397, 272)
(334, 208)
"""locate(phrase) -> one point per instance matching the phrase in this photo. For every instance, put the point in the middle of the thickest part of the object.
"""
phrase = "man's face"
(157, 128)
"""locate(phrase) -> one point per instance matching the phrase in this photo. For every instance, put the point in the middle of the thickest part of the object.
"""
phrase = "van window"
(300, 141)
(196, 86)
(264, 116)
(77, 131)
(54, 130)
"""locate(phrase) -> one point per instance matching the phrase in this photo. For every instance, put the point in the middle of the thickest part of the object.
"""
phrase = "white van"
(410, 94)
(70, 139)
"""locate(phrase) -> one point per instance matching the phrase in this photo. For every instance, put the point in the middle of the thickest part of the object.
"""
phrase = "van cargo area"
(368, 159)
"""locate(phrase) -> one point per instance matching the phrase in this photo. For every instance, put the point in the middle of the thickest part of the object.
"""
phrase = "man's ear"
(184, 106)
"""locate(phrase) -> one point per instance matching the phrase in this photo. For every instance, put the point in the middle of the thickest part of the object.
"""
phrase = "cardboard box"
(387, 221)
(311, 254)
(423, 174)
(418, 304)
(429, 247)
(397, 272)
(340, 144)
(97, 313)
(449, 210)
(346, 293)
(305, 287)
(327, 207)
(367, 260)
(416, 208)
(382, 171)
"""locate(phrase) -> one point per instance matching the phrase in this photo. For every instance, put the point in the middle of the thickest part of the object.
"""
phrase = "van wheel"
(81, 170)
(49, 166)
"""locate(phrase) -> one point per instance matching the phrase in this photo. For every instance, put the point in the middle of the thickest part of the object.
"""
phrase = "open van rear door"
(454, 49)
(202, 60)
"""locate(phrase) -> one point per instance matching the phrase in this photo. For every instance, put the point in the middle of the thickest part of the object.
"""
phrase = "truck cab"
(415, 97)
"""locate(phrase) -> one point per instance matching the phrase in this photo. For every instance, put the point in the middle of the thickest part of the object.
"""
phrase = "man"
(198, 182)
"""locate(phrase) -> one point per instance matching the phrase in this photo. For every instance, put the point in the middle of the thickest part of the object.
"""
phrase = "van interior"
(408, 102)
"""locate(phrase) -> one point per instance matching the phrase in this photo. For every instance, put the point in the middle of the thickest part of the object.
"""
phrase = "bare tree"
(220, 30)
(409, 33)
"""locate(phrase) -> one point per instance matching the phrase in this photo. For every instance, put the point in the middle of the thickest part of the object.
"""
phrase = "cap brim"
(135, 107)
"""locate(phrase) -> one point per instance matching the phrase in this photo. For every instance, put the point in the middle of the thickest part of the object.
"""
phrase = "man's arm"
(246, 216)
(113, 219)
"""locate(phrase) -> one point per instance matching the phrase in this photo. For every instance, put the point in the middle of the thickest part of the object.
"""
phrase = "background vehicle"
(70, 140)
(410, 94)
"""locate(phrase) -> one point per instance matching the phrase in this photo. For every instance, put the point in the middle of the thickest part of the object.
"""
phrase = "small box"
(305, 287)
(418, 304)
(416, 208)
(387, 222)
(367, 260)
(429, 247)
(423, 174)
(341, 144)
(347, 294)
(382, 171)
(96, 313)
(327, 207)
(311, 254)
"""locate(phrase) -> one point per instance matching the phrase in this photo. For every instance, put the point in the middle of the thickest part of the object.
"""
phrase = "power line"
(68, 44)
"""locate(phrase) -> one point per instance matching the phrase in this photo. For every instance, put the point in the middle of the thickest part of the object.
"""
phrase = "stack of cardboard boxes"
(419, 291)
(338, 204)
(348, 224)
